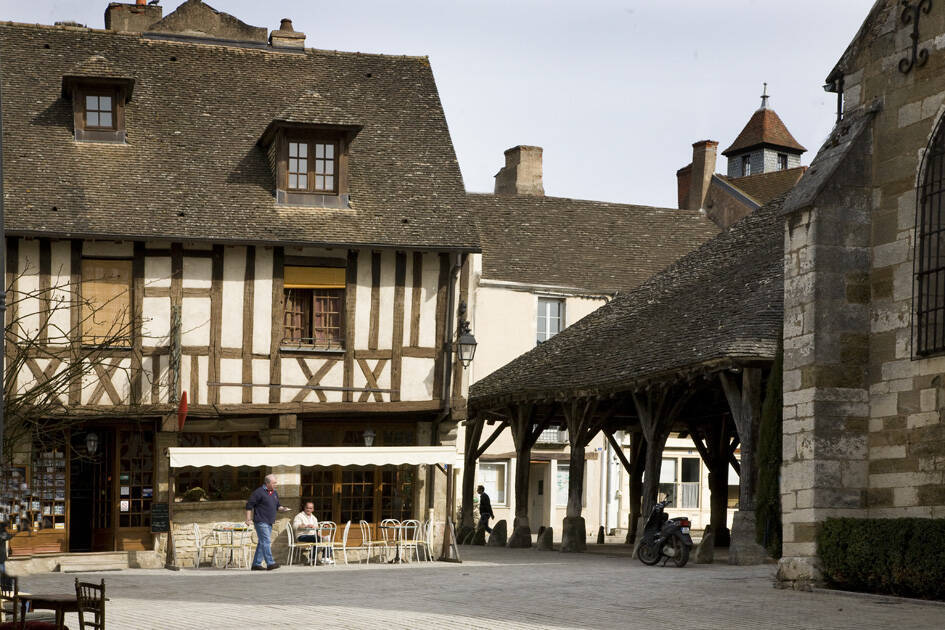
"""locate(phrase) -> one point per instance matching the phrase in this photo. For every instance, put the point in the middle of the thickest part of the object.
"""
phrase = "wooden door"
(134, 488)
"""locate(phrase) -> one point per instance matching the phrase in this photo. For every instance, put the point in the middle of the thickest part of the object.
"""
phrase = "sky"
(614, 91)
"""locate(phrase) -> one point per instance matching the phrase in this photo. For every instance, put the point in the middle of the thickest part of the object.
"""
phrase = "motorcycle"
(665, 538)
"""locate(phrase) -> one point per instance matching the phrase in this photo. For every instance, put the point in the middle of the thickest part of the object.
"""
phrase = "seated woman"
(306, 528)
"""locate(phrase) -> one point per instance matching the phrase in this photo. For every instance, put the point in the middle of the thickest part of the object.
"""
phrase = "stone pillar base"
(799, 573)
(464, 534)
(499, 536)
(705, 551)
(573, 534)
(546, 539)
(743, 549)
(521, 537)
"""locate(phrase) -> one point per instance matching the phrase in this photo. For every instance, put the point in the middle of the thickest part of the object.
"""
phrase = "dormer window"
(312, 166)
(100, 110)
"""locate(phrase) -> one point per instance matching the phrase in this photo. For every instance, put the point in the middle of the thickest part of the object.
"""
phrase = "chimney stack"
(132, 18)
(700, 174)
(521, 174)
(286, 36)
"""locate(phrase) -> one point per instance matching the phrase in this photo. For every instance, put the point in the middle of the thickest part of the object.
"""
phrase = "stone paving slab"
(492, 588)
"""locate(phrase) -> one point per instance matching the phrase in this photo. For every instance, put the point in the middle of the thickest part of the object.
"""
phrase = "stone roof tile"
(764, 128)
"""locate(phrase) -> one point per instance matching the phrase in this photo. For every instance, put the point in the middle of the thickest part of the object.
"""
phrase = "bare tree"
(59, 343)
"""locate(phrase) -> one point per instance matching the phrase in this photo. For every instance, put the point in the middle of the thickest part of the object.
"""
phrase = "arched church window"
(929, 286)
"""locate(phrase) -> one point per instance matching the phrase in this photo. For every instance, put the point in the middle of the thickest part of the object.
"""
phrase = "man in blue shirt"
(261, 513)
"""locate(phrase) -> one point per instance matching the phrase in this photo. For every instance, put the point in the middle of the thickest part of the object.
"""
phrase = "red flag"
(182, 411)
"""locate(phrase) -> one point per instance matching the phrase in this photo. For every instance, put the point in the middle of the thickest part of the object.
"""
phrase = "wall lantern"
(369, 437)
(91, 443)
(464, 338)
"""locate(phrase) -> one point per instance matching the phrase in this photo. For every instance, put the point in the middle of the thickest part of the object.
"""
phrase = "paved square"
(492, 588)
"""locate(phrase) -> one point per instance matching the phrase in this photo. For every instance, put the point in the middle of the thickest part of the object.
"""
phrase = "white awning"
(311, 456)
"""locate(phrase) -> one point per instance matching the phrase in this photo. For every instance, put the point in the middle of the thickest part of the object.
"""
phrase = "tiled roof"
(764, 127)
(764, 187)
(721, 304)
(591, 245)
(192, 169)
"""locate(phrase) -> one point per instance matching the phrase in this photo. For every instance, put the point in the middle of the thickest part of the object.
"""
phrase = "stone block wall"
(864, 442)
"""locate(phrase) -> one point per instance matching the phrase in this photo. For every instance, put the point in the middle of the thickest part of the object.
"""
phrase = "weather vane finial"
(764, 97)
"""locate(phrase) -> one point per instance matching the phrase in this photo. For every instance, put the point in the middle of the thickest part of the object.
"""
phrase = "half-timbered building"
(214, 216)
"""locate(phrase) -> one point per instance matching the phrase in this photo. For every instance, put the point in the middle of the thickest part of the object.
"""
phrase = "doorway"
(90, 496)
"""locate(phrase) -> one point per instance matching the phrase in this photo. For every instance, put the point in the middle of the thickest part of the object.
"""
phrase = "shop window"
(226, 482)
(106, 302)
(494, 475)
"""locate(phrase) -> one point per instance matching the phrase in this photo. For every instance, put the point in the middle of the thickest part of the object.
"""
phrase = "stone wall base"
(799, 573)
(521, 537)
(743, 549)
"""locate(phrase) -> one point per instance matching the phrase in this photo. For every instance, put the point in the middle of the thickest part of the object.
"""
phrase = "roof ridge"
(204, 42)
(595, 201)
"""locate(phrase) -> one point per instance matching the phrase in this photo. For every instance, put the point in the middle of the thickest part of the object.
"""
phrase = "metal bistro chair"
(427, 539)
(411, 537)
(368, 542)
(390, 530)
(345, 547)
(326, 543)
(91, 602)
(203, 543)
(295, 547)
(229, 540)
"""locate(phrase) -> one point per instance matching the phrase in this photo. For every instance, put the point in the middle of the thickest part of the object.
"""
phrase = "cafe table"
(227, 531)
(61, 603)
(399, 530)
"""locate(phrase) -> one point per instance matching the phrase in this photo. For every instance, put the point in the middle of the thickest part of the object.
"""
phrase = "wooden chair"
(91, 602)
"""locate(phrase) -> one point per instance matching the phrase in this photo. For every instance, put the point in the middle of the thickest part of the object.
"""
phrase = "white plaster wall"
(385, 321)
(195, 321)
(363, 301)
(28, 283)
(261, 377)
(334, 378)
(197, 272)
(431, 275)
(231, 371)
(60, 292)
(416, 379)
(203, 372)
(147, 368)
(234, 272)
(156, 324)
(185, 379)
(262, 308)
(505, 328)
(157, 271)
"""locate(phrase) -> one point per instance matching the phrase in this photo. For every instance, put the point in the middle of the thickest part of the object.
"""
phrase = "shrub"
(901, 556)
(195, 494)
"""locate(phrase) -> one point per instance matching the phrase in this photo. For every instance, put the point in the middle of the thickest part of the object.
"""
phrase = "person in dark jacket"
(261, 513)
(485, 508)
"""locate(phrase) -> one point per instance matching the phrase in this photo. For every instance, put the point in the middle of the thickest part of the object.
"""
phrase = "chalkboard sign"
(160, 518)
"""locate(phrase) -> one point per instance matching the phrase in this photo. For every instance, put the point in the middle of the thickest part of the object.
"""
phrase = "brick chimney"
(521, 174)
(700, 174)
(132, 18)
(286, 36)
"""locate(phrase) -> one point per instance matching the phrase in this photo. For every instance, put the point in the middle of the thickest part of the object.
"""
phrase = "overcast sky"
(615, 91)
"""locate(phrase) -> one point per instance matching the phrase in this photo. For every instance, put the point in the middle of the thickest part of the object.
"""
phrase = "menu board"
(160, 518)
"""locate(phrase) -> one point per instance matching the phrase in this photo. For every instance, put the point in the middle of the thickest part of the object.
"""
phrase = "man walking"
(261, 513)
(485, 508)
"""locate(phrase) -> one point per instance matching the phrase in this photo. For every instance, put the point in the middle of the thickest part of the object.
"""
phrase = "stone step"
(85, 562)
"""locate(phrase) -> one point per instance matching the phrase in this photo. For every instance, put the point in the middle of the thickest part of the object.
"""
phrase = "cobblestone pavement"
(492, 588)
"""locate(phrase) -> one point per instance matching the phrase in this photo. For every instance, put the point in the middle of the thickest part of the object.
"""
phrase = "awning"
(311, 456)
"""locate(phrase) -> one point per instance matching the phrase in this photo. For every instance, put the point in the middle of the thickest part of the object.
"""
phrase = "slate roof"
(764, 187)
(192, 169)
(591, 245)
(720, 304)
(764, 128)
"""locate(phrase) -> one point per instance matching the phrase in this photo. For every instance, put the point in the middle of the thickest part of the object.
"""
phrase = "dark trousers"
(484, 521)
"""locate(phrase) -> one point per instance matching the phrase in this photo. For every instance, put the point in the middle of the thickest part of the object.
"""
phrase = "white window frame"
(558, 468)
(492, 491)
(541, 318)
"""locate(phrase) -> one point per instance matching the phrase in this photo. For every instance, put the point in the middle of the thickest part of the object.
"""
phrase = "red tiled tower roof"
(764, 128)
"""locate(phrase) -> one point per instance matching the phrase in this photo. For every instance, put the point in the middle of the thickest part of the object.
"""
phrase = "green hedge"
(901, 556)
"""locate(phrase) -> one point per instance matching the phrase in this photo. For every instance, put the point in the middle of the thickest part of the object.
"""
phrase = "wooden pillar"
(716, 443)
(473, 451)
(744, 401)
(583, 425)
(525, 433)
